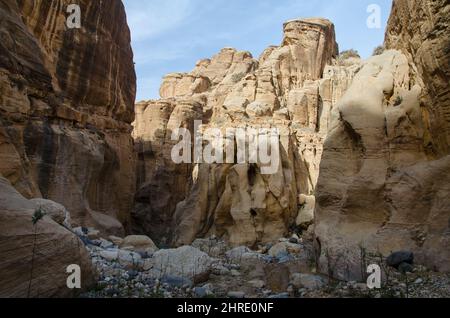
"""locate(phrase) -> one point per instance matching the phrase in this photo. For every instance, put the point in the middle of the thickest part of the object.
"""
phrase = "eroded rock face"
(34, 259)
(293, 87)
(420, 30)
(382, 185)
(66, 105)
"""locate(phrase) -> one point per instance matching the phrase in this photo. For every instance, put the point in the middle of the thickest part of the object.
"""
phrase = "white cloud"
(148, 19)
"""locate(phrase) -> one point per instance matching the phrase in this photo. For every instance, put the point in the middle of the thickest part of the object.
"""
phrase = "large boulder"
(139, 243)
(35, 257)
(184, 262)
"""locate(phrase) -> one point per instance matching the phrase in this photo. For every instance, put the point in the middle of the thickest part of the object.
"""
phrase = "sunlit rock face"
(66, 104)
(383, 182)
(293, 87)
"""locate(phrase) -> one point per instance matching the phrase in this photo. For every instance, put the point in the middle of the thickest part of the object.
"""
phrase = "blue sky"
(172, 35)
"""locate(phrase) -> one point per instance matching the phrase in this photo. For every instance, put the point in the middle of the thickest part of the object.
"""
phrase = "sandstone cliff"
(384, 180)
(66, 105)
(293, 87)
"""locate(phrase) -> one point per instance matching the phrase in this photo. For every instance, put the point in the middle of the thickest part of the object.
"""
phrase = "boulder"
(35, 257)
(110, 255)
(56, 211)
(284, 248)
(308, 281)
(396, 258)
(116, 240)
(236, 294)
(306, 212)
(129, 259)
(277, 277)
(139, 244)
(185, 262)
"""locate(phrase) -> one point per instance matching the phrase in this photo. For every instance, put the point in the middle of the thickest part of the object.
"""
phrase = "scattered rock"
(176, 281)
(186, 262)
(306, 213)
(279, 296)
(257, 283)
(236, 253)
(277, 277)
(129, 259)
(307, 281)
(93, 234)
(405, 268)
(139, 244)
(283, 248)
(418, 281)
(110, 255)
(396, 258)
(116, 240)
(236, 294)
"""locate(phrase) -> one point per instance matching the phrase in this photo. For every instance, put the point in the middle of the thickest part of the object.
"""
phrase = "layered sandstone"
(35, 257)
(292, 87)
(383, 182)
(66, 104)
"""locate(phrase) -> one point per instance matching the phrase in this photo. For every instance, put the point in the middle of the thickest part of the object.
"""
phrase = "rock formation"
(66, 105)
(35, 257)
(292, 87)
(384, 181)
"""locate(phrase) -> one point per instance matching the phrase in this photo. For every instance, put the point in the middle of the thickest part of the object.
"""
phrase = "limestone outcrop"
(383, 184)
(293, 87)
(66, 105)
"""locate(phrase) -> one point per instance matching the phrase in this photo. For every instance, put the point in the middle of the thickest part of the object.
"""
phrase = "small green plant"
(348, 54)
(379, 50)
(37, 216)
(236, 78)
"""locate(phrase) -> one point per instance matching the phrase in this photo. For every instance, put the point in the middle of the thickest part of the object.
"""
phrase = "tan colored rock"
(177, 85)
(139, 243)
(115, 240)
(66, 113)
(284, 247)
(375, 174)
(56, 211)
(382, 179)
(40, 253)
(420, 30)
(236, 201)
(306, 213)
(184, 262)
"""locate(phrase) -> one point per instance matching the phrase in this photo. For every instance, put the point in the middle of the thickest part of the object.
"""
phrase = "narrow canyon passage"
(88, 176)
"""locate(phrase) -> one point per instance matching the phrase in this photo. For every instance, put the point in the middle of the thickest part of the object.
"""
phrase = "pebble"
(236, 294)
(116, 279)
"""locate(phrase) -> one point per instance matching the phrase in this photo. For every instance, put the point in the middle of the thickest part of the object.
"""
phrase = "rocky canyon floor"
(211, 269)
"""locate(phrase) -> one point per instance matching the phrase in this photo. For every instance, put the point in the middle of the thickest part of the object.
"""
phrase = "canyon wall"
(66, 107)
(66, 103)
(292, 87)
(384, 179)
